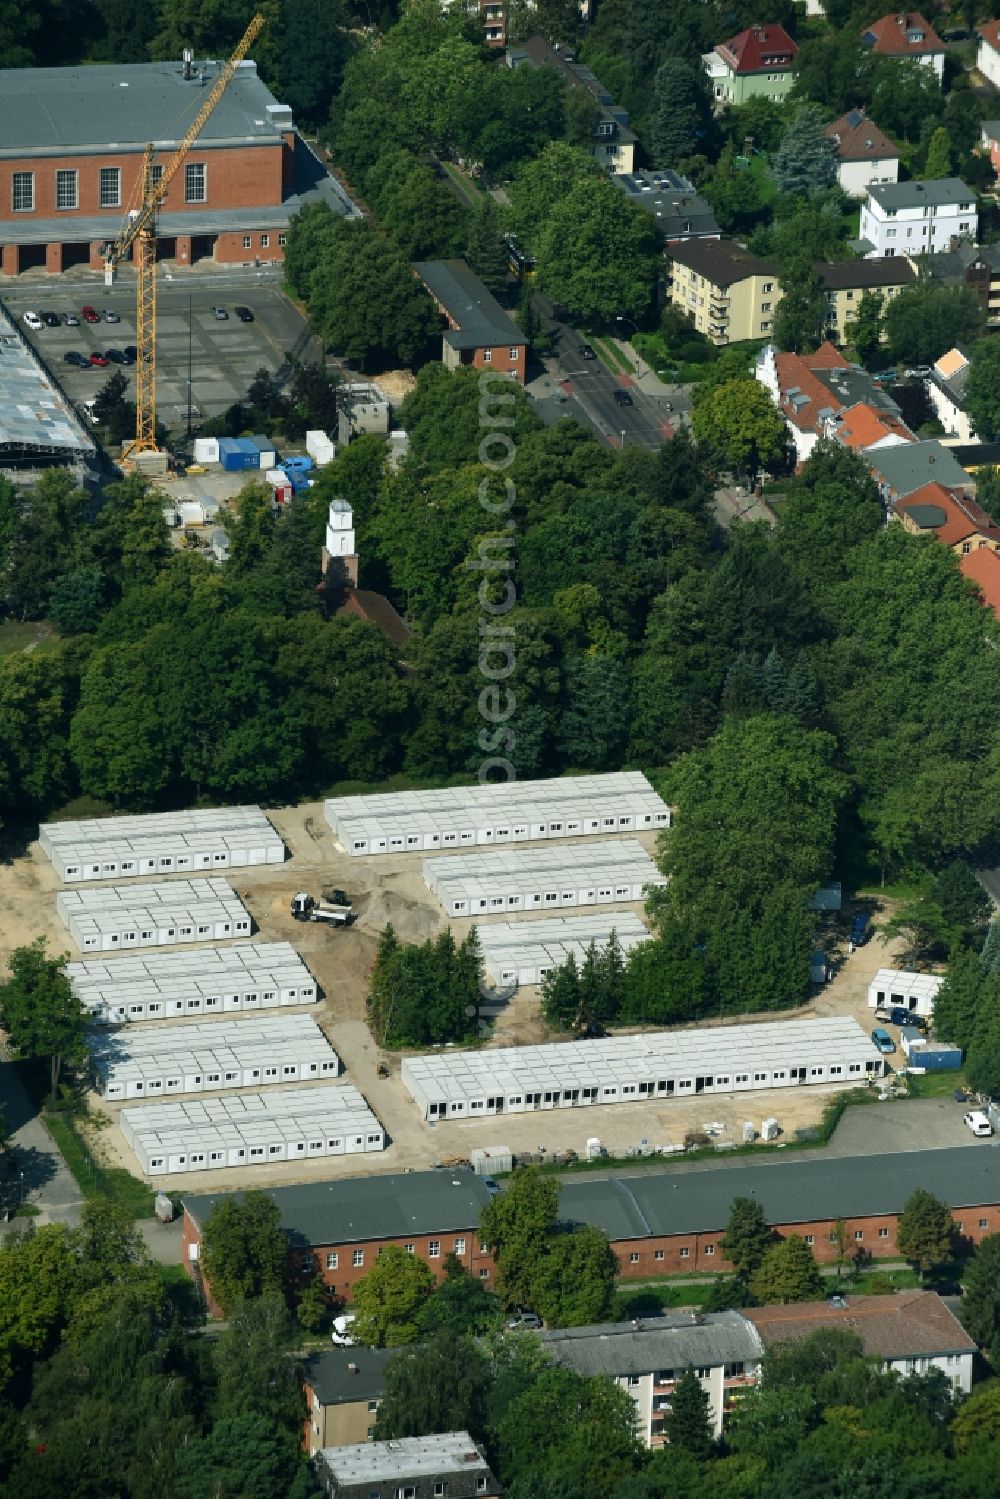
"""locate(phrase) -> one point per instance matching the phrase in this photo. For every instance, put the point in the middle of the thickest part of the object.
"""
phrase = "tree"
(980, 1308)
(747, 1238)
(518, 1225)
(244, 1250)
(960, 997)
(484, 249)
(735, 193)
(739, 423)
(542, 183)
(40, 1012)
(576, 1279)
(254, 1370)
(561, 995)
(938, 163)
(989, 958)
(787, 1273)
(240, 1455)
(112, 410)
(689, 1424)
(800, 319)
(865, 330)
(926, 1232)
(982, 1063)
(597, 253)
(460, 1304)
(923, 321)
(982, 389)
(440, 1386)
(806, 160)
(681, 115)
(390, 1297)
(594, 1452)
(313, 1305)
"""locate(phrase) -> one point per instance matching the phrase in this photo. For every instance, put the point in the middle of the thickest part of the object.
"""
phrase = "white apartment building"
(988, 56)
(917, 218)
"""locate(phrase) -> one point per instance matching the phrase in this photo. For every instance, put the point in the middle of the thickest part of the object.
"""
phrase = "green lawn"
(467, 185)
(16, 635)
(95, 1181)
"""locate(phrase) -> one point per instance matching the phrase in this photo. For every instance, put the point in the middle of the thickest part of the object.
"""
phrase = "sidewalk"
(42, 1176)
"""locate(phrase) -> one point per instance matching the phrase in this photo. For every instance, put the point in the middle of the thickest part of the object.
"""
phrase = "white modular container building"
(915, 992)
(652, 1067)
(211, 1056)
(541, 879)
(250, 1129)
(512, 812)
(203, 981)
(202, 841)
(111, 918)
(523, 952)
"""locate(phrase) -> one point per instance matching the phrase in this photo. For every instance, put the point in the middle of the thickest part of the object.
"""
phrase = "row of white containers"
(540, 879)
(111, 918)
(197, 842)
(205, 981)
(483, 816)
(524, 952)
(251, 1129)
(212, 1057)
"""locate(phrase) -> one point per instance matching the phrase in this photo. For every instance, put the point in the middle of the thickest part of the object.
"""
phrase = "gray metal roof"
(34, 414)
(670, 1342)
(405, 1458)
(121, 107)
(481, 320)
(360, 1208)
(909, 465)
(344, 1375)
(671, 201)
(918, 194)
(814, 1189)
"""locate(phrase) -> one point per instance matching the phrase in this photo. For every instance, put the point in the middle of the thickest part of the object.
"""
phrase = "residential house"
(336, 1228)
(989, 137)
(613, 145)
(863, 429)
(910, 1332)
(343, 1389)
(945, 387)
(951, 516)
(917, 218)
(648, 1357)
(988, 56)
(677, 210)
(814, 391)
(846, 281)
(756, 63)
(729, 294)
(906, 34)
(982, 567)
(450, 1464)
(479, 332)
(902, 470)
(865, 154)
(492, 14)
(976, 267)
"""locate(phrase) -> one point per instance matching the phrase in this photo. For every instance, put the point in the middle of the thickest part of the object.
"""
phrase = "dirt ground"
(385, 889)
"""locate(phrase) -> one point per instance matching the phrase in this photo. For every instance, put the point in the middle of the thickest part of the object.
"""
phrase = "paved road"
(41, 1174)
(645, 422)
(990, 879)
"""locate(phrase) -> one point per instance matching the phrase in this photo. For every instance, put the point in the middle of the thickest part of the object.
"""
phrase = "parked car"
(244, 314)
(50, 319)
(899, 1016)
(111, 316)
(71, 320)
(586, 351)
(883, 1041)
(977, 1121)
(220, 314)
(115, 356)
(524, 1319)
(80, 361)
(33, 321)
(491, 1185)
(89, 314)
(961, 1096)
(131, 353)
(622, 398)
(100, 360)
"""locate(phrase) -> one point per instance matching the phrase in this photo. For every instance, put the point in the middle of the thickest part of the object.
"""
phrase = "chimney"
(188, 59)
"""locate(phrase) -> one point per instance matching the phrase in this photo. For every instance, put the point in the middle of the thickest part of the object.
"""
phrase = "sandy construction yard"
(391, 889)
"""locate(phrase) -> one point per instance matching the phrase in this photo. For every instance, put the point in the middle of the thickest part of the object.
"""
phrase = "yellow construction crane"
(139, 234)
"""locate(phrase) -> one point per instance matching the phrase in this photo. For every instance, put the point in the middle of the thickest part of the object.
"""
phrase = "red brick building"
(71, 148)
(336, 1229)
(479, 332)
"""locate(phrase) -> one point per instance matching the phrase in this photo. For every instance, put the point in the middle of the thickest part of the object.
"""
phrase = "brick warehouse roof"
(121, 107)
(358, 1209)
(909, 1324)
(815, 1189)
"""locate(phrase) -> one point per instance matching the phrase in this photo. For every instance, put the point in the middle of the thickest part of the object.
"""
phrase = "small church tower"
(341, 549)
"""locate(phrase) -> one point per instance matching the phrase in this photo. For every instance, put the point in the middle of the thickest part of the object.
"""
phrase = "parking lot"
(222, 355)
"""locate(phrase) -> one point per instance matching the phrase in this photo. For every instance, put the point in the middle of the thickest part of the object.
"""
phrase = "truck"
(334, 908)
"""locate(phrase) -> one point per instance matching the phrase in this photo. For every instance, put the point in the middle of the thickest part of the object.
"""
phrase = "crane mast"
(138, 234)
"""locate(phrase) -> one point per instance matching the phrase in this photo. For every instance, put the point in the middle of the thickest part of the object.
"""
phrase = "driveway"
(40, 1176)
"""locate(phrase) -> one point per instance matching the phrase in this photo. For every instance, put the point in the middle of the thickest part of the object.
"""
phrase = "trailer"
(550, 878)
(114, 918)
(203, 841)
(893, 988)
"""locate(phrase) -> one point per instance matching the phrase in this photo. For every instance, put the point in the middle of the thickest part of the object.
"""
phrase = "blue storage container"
(302, 464)
(231, 455)
(937, 1058)
(250, 451)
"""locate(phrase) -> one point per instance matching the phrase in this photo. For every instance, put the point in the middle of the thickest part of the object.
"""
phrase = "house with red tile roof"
(951, 516)
(865, 154)
(754, 64)
(905, 33)
(861, 428)
(982, 567)
(824, 395)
